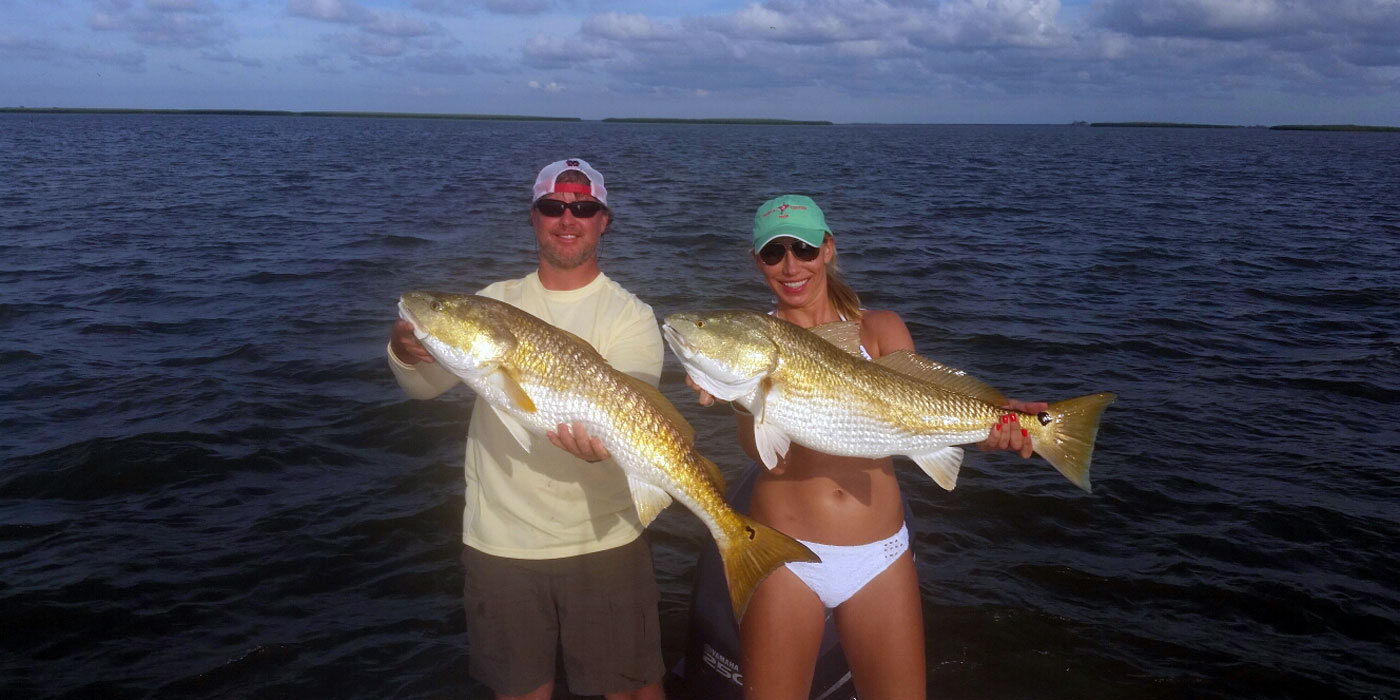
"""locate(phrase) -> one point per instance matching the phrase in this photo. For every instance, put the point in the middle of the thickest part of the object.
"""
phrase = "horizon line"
(756, 121)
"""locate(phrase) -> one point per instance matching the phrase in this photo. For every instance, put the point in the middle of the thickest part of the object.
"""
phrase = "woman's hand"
(578, 443)
(1008, 434)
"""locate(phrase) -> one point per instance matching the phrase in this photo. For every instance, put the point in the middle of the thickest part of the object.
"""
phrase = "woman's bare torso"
(826, 498)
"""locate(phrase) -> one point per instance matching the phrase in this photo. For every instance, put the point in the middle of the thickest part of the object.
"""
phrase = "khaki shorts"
(600, 608)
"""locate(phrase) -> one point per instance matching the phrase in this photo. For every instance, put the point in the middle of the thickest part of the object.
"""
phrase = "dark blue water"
(211, 487)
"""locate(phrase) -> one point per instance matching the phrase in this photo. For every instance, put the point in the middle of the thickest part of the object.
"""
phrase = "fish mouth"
(677, 342)
(407, 315)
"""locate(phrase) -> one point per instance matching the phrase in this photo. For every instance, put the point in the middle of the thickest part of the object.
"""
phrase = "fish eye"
(436, 305)
(699, 324)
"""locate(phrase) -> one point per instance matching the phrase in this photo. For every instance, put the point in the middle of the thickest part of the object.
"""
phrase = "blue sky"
(936, 61)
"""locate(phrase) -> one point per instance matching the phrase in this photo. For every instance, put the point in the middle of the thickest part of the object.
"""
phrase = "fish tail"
(750, 552)
(1075, 427)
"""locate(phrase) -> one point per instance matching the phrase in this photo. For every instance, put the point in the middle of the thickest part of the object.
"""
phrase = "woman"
(846, 509)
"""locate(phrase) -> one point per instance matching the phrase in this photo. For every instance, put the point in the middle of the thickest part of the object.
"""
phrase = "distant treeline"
(1281, 127)
(282, 113)
(1332, 127)
(397, 115)
(666, 120)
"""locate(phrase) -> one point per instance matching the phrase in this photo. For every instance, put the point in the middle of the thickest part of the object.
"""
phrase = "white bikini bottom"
(843, 571)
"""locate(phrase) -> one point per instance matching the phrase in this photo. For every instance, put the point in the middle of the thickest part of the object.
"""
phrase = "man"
(553, 551)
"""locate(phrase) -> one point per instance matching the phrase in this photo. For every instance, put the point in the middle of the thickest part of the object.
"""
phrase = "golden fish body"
(542, 376)
(802, 387)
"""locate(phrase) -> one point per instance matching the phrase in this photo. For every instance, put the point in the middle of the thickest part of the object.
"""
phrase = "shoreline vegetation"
(629, 120)
(1277, 127)
(718, 120)
(393, 115)
(279, 113)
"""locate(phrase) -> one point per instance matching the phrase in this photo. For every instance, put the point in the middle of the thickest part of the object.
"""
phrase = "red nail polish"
(1023, 432)
(998, 426)
(1003, 419)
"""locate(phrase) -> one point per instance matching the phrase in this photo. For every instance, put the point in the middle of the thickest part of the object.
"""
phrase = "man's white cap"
(545, 183)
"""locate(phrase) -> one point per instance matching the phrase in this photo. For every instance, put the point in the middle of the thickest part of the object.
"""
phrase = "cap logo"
(571, 163)
(782, 210)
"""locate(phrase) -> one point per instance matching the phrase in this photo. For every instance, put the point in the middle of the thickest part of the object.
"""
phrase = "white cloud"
(134, 61)
(543, 51)
(367, 45)
(200, 6)
(393, 24)
(226, 56)
(518, 7)
(168, 23)
(982, 47)
(20, 47)
(621, 27)
(1372, 21)
(345, 11)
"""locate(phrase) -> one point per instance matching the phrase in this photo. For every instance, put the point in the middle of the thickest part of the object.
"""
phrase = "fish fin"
(755, 401)
(910, 363)
(513, 426)
(843, 334)
(720, 390)
(750, 551)
(662, 404)
(942, 465)
(1076, 426)
(771, 442)
(506, 380)
(648, 498)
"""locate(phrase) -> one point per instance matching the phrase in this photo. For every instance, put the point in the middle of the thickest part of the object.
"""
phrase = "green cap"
(789, 215)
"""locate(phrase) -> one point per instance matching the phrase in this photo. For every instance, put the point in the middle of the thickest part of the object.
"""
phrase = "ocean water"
(211, 487)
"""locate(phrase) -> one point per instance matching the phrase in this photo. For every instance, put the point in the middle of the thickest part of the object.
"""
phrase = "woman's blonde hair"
(840, 294)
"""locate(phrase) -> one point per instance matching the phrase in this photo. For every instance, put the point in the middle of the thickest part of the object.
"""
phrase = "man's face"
(567, 242)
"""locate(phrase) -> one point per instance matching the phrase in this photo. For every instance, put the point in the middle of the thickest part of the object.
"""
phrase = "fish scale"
(857, 424)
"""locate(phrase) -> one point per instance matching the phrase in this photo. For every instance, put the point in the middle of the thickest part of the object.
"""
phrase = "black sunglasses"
(774, 252)
(554, 208)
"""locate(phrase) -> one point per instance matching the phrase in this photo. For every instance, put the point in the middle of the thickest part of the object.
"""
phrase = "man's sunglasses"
(554, 208)
(774, 252)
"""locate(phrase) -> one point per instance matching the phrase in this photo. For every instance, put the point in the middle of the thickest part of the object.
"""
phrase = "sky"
(1245, 62)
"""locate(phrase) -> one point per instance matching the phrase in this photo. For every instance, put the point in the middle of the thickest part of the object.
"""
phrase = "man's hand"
(577, 442)
(406, 346)
(1008, 434)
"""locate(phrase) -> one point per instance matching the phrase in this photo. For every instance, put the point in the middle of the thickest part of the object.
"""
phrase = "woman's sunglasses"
(774, 252)
(554, 208)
